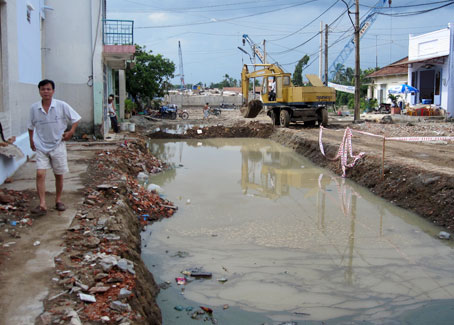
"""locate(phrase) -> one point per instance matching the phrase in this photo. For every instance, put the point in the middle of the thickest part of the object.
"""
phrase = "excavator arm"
(252, 108)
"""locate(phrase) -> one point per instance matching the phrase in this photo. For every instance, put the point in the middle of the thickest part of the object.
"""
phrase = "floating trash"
(181, 280)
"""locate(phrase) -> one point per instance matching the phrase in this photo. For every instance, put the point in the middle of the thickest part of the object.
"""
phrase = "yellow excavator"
(285, 103)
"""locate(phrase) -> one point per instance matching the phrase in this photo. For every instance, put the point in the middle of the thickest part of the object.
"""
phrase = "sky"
(210, 31)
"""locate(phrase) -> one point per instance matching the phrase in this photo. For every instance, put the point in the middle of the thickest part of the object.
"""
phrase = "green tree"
(340, 72)
(346, 76)
(297, 78)
(226, 82)
(150, 76)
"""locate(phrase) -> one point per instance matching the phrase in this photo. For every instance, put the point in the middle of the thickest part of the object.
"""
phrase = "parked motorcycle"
(183, 114)
(169, 112)
(383, 109)
(228, 106)
(214, 111)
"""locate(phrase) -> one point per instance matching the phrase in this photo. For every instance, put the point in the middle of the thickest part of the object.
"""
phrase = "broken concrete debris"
(100, 266)
(119, 306)
(444, 235)
(87, 298)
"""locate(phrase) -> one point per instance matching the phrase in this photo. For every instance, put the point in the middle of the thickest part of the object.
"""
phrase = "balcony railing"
(118, 32)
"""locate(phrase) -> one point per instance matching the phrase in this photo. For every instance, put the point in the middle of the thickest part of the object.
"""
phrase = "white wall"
(199, 101)
(69, 51)
(450, 76)
(21, 71)
(429, 45)
(385, 83)
(28, 41)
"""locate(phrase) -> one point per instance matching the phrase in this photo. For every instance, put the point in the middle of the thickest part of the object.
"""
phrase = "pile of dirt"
(239, 130)
(100, 277)
(429, 193)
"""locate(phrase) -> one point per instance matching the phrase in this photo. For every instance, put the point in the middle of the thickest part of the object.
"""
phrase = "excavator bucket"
(252, 109)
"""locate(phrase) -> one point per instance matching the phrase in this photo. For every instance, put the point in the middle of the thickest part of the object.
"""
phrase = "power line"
(407, 6)
(309, 23)
(201, 7)
(211, 21)
(311, 38)
(414, 13)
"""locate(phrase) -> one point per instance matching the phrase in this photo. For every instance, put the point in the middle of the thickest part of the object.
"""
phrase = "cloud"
(158, 17)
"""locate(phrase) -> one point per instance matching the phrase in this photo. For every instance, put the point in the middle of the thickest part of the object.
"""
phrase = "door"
(426, 85)
(279, 89)
(437, 95)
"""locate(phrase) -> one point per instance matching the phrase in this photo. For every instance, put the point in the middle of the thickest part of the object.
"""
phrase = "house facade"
(385, 78)
(68, 42)
(431, 66)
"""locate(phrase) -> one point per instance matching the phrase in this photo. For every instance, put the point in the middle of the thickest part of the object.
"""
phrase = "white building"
(431, 68)
(69, 42)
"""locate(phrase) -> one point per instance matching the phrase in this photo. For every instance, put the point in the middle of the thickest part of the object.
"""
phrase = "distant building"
(69, 42)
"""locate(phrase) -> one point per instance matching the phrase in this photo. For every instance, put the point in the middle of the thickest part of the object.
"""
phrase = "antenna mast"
(180, 55)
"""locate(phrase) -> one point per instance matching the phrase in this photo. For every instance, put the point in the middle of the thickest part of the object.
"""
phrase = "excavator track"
(252, 109)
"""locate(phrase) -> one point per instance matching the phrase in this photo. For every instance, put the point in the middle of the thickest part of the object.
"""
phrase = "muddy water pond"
(287, 241)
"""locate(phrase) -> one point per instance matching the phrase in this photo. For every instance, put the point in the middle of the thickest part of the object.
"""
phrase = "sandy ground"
(417, 176)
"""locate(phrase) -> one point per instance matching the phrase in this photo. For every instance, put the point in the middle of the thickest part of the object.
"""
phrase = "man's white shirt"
(49, 127)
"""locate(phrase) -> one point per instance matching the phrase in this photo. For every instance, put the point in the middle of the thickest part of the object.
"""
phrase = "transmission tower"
(180, 55)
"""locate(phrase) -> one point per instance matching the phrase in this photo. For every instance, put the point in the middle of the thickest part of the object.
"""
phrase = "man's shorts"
(57, 159)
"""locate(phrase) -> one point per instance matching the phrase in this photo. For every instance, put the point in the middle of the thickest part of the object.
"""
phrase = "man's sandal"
(60, 206)
(38, 211)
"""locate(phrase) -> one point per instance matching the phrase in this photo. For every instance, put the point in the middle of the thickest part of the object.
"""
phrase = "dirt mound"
(240, 130)
(427, 193)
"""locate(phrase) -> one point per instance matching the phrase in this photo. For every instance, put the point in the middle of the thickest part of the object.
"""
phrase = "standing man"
(49, 119)
(272, 96)
(206, 110)
(112, 114)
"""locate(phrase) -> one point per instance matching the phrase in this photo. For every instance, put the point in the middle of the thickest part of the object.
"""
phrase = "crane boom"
(349, 47)
(255, 48)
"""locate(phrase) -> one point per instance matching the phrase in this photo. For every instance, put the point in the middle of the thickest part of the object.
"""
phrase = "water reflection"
(294, 237)
(270, 173)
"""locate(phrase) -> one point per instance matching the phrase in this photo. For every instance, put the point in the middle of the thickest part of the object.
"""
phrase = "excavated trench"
(294, 242)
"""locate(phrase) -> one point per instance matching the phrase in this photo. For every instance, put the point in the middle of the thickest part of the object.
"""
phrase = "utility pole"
(320, 59)
(180, 57)
(326, 55)
(357, 65)
(376, 52)
(253, 79)
(264, 51)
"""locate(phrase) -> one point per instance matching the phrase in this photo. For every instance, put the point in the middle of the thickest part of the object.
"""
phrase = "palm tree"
(340, 71)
